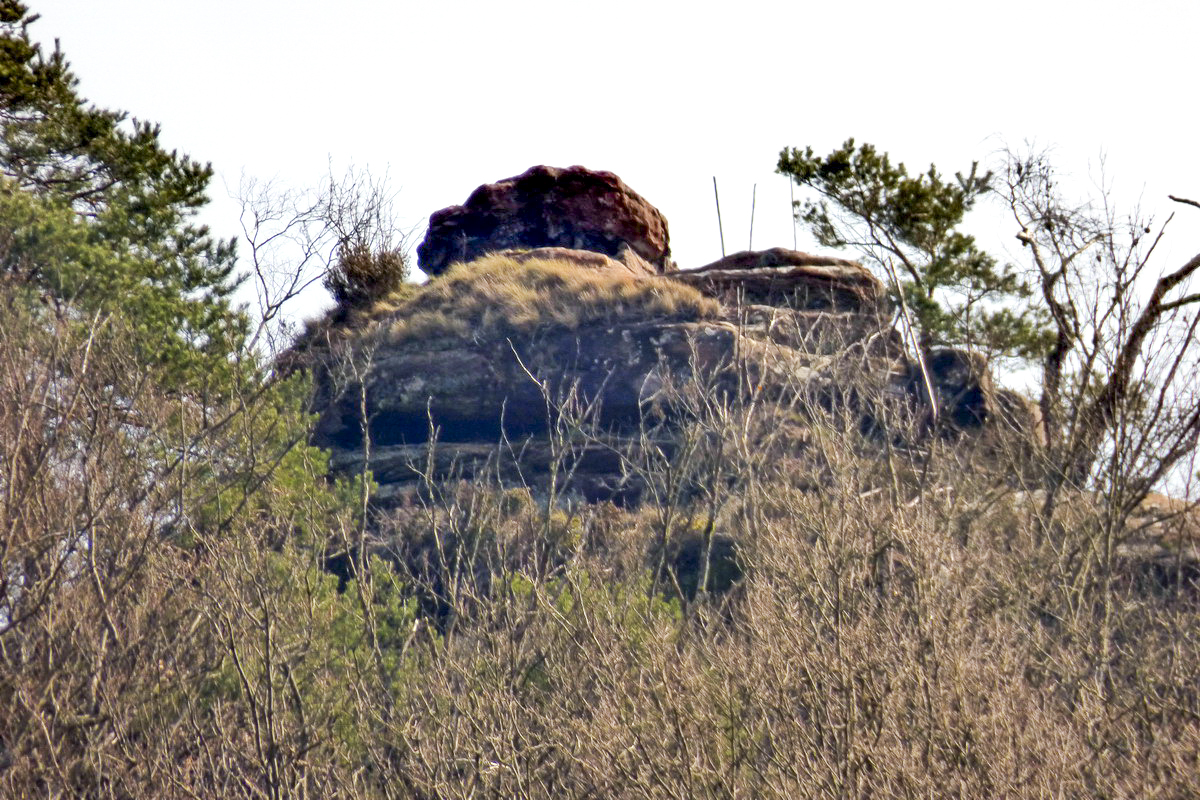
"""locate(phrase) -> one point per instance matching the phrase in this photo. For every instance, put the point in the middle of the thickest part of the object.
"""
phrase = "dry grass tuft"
(496, 296)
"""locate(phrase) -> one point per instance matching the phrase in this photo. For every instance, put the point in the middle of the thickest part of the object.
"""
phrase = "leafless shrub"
(900, 627)
(342, 234)
(904, 619)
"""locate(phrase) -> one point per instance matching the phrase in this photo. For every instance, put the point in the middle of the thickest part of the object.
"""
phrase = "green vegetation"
(909, 225)
(133, 201)
(191, 606)
(157, 497)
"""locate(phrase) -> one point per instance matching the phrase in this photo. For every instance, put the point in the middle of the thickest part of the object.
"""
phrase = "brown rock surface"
(1022, 416)
(474, 393)
(574, 208)
(585, 259)
(962, 380)
(788, 277)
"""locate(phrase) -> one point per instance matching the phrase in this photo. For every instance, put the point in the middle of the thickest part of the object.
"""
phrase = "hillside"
(496, 345)
(570, 519)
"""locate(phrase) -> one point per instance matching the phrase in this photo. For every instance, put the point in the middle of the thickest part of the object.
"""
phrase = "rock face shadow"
(778, 323)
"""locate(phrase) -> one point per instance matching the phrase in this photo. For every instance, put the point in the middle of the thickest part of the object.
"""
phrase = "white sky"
(445, 96)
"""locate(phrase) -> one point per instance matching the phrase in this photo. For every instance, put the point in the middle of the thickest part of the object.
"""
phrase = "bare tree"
(1122, 342)
(342, 234)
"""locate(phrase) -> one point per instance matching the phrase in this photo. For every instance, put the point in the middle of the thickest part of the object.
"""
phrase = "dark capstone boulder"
(574, 208)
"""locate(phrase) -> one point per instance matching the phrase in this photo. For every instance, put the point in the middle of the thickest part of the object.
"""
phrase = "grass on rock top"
(496, 296)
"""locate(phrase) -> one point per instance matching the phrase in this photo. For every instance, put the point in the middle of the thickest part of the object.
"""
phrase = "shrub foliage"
(803, 606)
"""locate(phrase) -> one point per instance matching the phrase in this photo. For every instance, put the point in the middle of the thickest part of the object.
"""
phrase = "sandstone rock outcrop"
(780, 324)
(473, 390)
(1022, 416)
(584, 259)
(788, 277)
(459, 379)
(815, 303)
(1166, 551)
(471, 394)
(962, 380)
(574, 208)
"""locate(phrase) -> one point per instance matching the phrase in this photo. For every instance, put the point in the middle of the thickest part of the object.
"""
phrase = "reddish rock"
(584, 259)
(573, 208)
(788, 277)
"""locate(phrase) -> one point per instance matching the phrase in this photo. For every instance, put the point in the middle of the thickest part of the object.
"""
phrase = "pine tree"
(909, 226)
(130, 196)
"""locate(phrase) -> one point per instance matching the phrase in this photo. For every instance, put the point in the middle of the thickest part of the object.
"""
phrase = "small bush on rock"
(362, 276)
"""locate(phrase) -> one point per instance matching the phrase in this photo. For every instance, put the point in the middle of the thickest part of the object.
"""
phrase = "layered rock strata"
(799, 281)
(792, 327)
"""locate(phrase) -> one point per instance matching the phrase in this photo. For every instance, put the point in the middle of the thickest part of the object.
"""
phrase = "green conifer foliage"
(130, 196)
(909, 226)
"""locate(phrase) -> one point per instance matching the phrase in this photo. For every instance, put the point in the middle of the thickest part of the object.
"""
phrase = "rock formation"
(556, 287)
(574, 208)
(963, 384)
(475, 393)
(584, 259)
(788, 325)
(790, 278)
